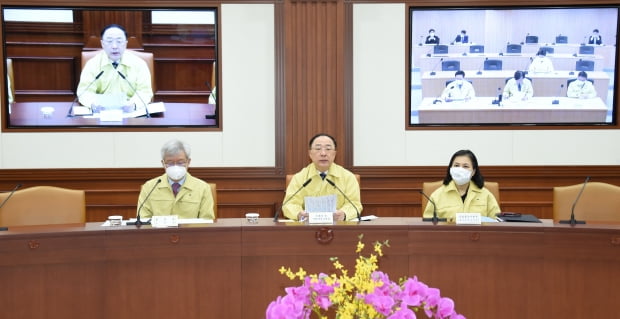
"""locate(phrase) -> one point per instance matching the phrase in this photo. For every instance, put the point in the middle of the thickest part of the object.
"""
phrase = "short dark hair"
(113, 25)
(477, 178)
(461, 72)
(595, 30)
(319, 135)
(431, 30)
(463, 31)
(542, 52)
(583, 74)
(519, 75)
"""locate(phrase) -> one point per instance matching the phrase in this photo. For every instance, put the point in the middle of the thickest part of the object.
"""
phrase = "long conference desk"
(29, 114)
(487, 82)
(535, 110)
(229, 269)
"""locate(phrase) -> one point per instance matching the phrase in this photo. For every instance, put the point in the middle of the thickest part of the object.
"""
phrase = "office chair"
(476, 48)
(561, 39)
(440, 49)
(10, 78)
(512, 77)
(43, 205)
(146, 56)
(548, 50)
(493, 64)
(598, 202)
(450, 81)
(213, 187)
(513, 48)
(586, 49)
(289, 177)
(531, 39)
(584, 65)
(429, 187)
(569, 81)
(450, 65)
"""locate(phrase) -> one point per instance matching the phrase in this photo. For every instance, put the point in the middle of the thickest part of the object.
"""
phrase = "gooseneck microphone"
(359, 218)
(6, 199)
(434, 67)
(275, 218)
(572, 221)
(481, 66)
(433, 219)
(138, 222)
(135, 92)
(69, 114)
(557, 101)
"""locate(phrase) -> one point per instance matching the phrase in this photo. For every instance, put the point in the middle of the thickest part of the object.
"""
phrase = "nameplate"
(115, 115)
(321, 218)
(468, 219)
(165, 221)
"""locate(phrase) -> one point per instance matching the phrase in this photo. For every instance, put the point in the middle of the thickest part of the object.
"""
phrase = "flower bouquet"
(369, 293)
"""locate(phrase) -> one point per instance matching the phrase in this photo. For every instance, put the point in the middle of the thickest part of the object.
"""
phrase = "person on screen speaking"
(431, 38)
(110, 90)
(518, 88)
(581, 88)
(462, 38)
(319, 173)
(176, 192)
(595, 38)
(541, 63)
(459, 89)
(462, 190)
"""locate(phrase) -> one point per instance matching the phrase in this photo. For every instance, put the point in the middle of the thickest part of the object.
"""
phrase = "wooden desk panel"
(230, 269)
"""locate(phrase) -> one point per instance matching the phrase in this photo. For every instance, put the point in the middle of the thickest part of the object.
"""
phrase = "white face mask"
(458, 82)
(176, 173)
(461, 176)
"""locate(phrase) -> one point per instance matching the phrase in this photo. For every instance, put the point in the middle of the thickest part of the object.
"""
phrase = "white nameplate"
(115, 115)
(165, 221)
(468, 219)
(320, 218)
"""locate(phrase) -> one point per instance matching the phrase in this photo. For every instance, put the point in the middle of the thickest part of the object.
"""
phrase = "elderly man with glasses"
(323, 177)
(176, 192)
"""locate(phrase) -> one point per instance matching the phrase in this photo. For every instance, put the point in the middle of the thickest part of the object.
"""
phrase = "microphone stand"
(433, 219)
(481, 67)
(275, 218)
(138, 222)
(557, 101)
(572, 221)
(70, 113)
(359, 217)
(6, 199)
(433, 71)
(146, 107)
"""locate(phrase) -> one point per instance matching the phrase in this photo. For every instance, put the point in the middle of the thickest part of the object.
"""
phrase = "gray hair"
(174, 147)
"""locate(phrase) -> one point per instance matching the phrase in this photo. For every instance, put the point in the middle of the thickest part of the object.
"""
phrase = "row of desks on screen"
(535, 110)
(606, 52)
(561, 61)
(487, 83)
(29, 114)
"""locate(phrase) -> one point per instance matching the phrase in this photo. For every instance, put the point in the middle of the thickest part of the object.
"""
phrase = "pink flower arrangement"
(369, 293)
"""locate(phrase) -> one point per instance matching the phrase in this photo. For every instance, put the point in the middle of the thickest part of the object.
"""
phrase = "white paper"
(320, 203)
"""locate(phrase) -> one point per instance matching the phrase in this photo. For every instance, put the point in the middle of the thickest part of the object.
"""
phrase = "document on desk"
(320, 203)
(154, 108)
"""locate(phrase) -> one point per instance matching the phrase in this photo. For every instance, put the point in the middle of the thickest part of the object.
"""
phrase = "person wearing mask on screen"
(462, 190)
(431, 38)
(462, 38)
(581, 88)
(110, 88)
(518, 88)
(459, 89)
(595, 38)
(541, 63)
(322, 152)
(176, 192)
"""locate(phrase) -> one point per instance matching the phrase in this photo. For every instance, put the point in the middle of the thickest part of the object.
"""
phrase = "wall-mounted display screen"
(69, 68)
(513, 66)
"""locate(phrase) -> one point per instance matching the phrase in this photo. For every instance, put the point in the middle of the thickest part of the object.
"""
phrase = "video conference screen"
(155, 69)
(513, 66)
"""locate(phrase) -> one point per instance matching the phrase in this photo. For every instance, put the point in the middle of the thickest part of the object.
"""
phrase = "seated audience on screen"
(518, 88)
(462, 38)
(541, 63)
(462, 190)
(322, 152)
(595, 38)
(431, 38)
(176, 192)
(459, 89)
(581, 88)
(110, 89)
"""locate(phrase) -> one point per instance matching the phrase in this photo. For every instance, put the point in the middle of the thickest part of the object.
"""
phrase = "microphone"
(434, 67)
(498, 101)
(6, 199)
(557, 101)
(433, 219)
(135, 92)
(359, 218)
(275, 218)
(572, 221)
(481, 66)
(138, 222)
(421, 40)
(80, 95)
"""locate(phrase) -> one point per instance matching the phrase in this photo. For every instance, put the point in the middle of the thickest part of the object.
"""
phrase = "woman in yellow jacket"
(463, 190)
